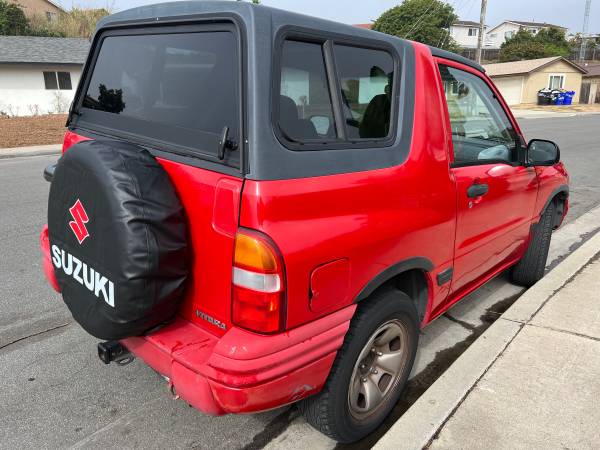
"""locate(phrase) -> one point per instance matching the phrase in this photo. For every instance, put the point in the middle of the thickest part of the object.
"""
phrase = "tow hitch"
(110, 351)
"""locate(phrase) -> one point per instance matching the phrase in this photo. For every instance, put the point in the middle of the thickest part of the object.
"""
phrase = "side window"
(366, 85)
(64, 81)
(305, 108)
(50, 81)
(481, 131)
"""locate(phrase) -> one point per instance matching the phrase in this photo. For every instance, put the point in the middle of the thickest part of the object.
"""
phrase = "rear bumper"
(243, 372)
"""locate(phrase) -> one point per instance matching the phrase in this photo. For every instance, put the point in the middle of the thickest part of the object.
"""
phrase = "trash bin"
(544, 97)
(569, 98)
(557, 96)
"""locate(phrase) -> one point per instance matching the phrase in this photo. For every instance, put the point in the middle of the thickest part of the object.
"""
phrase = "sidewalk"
(34, 150)
(532, 380)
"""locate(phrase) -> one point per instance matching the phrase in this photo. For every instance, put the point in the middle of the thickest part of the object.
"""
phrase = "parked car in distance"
(266, 207)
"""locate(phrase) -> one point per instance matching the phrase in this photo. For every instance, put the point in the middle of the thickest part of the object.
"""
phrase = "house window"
(51, 16)
(472, 31)
(556, 81)
(493, 35)
(58, 80)
(509, 34)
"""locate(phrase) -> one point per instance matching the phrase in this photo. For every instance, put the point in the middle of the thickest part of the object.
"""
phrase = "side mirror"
(542, 153)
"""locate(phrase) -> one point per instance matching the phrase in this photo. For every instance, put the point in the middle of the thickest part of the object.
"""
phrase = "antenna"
(584, 32)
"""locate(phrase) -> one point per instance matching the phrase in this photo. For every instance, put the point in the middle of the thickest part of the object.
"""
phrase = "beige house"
(39, 7)
(520, 81)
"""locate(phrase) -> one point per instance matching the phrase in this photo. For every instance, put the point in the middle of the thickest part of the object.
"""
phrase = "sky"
(568, 13)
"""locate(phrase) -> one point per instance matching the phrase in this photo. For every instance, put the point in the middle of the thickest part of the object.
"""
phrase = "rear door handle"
(477, 190)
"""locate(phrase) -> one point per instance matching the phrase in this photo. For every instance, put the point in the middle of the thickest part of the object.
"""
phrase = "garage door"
(510, 88)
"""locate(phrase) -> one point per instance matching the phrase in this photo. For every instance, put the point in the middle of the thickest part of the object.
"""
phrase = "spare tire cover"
(118, 238)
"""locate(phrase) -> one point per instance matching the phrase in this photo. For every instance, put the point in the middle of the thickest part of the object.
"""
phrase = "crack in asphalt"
(273, 429)
(34, 335)
(462, 323)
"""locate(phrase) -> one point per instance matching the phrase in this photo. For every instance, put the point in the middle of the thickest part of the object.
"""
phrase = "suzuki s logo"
(80, 219)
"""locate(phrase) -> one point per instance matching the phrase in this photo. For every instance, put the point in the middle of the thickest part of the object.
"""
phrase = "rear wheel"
(370, 370)
(530, 269)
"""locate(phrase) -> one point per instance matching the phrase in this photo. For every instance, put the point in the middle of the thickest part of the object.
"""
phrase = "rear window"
(181, 89)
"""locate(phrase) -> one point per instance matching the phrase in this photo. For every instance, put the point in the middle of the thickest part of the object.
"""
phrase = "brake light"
(258, 283)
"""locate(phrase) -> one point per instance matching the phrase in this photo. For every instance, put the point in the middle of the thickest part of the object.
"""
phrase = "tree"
(75, 23)
(12, 20)
(426, 21)
(525, 45)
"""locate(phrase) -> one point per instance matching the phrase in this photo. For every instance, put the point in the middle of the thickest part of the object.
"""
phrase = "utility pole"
(482, 31)
(584, 32)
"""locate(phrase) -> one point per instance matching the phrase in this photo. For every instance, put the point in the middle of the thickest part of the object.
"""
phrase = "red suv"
(267, 207)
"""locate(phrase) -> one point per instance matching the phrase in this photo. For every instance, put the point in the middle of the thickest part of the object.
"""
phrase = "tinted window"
(366, 85)
(177, 88)
(305, 110)
(64, 80)
(481, 130)
(50, 80)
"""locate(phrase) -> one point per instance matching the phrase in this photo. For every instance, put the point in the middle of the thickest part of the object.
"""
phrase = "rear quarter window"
(180, 89)
(334, 96)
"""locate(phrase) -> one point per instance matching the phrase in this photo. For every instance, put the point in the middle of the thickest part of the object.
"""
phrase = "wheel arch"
(559, 196)
(410, 276)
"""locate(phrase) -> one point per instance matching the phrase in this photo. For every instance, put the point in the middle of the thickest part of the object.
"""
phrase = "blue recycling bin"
(568, 100)
(560, 99)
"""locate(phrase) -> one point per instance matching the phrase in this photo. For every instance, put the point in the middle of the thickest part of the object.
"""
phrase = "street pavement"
(56, 393)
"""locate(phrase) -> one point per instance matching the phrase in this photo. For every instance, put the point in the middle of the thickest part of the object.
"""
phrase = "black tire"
(530, 269)
(329, 411)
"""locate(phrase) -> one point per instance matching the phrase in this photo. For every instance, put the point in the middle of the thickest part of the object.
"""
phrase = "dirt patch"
(38, 130)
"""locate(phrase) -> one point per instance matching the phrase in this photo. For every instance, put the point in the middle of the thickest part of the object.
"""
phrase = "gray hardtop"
(265, 157)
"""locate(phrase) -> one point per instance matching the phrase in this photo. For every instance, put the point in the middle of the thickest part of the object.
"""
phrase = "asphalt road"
(55, 393)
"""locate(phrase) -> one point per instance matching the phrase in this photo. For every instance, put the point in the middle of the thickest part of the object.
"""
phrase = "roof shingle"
(536, 24)
(465, 23)
(526, 66)
(593, 71)
(50, 50)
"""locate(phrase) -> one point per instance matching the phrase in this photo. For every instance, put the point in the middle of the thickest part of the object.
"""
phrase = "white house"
(465, 33)
(39, 75)
(497, 35)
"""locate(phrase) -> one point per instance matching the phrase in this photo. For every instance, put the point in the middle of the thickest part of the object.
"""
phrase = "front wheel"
(370, 370)
(530, 269)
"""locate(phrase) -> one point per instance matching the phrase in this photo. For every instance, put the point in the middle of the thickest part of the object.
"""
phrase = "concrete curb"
(35, 150)
(534, 114)
(418, 426)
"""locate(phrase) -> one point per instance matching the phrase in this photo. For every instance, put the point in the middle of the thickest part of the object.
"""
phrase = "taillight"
(258, 283)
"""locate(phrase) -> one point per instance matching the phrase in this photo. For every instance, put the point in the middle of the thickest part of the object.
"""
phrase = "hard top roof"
(247, 10)
(250, 13)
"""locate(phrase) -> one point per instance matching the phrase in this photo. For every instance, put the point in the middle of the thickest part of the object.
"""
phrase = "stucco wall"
(32, 7)
(540, 78)
(22, 86)
(461, 35)
(499, 38)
